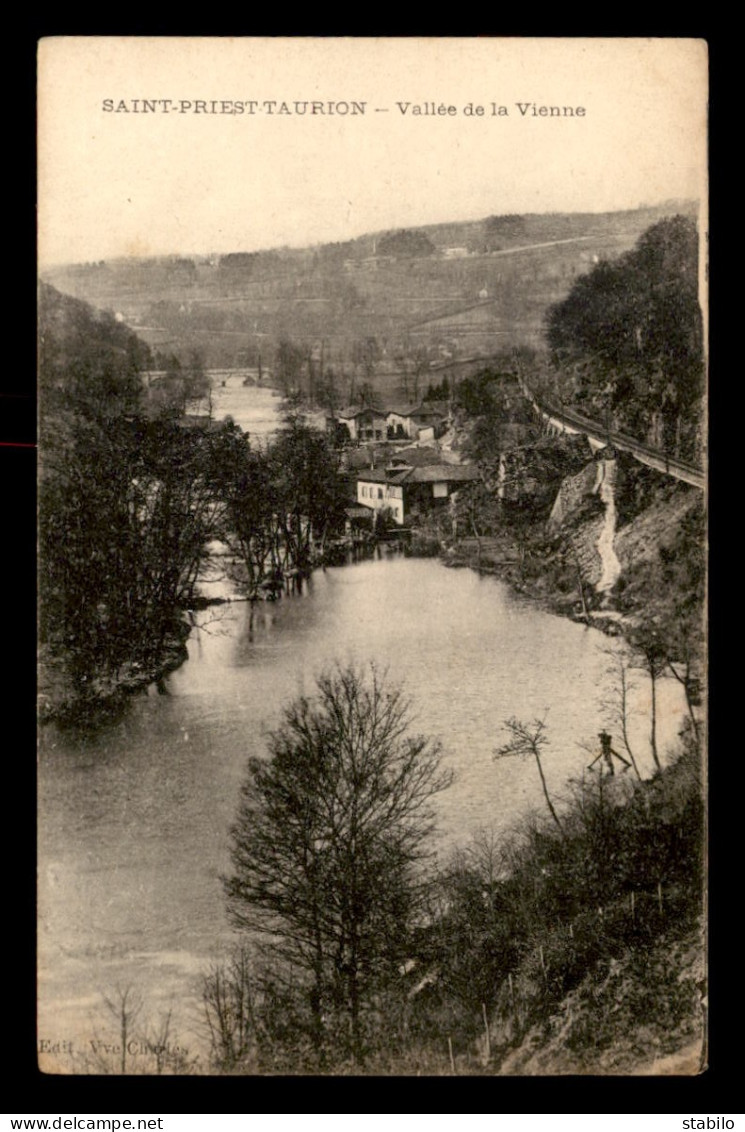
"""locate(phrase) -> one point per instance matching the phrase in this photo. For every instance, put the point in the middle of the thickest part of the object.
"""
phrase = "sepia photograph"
(372, 556)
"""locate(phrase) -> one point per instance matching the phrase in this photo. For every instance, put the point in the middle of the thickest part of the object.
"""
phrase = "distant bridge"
(564, 420)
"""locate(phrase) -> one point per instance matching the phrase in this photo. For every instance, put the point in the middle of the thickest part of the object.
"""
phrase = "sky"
(115, 180)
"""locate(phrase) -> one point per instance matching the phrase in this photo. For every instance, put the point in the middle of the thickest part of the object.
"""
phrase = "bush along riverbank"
(103, 696)
(583, 938)
(98, 696)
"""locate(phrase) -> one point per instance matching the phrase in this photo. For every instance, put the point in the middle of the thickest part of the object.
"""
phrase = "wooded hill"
(372, 306)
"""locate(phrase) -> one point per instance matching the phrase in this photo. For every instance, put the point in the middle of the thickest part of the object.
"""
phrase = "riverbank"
(543, 581)
(105, 696)
(657, 543)
(636, 1002)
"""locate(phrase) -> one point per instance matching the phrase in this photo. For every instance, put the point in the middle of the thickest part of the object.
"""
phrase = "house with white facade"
(417, 422)
(364, 423)
(403, 489)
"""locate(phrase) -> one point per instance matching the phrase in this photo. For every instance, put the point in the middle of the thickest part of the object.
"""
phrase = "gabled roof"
(426, 413)
(425, 410)
(401, 476)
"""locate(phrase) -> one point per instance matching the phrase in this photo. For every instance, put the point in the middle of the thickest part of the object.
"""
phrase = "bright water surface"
(254, 409)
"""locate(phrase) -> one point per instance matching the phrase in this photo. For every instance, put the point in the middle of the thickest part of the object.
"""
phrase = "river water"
(135, 818)
(255, 409)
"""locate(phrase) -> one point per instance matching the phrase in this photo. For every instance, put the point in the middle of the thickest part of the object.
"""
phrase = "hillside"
(483, 287)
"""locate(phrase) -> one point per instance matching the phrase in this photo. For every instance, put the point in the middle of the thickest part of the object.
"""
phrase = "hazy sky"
(175, 181)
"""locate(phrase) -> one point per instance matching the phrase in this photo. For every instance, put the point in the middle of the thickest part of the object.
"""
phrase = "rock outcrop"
(584, 512)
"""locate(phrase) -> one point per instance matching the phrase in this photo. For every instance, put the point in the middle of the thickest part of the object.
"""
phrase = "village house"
(403, 489)
(364, 423)
(424, 421)
(417, 422)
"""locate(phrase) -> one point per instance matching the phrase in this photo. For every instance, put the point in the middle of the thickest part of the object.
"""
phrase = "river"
(254, 408)
(135, 818)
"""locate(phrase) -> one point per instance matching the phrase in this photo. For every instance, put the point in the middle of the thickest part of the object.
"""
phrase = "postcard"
(372, 556)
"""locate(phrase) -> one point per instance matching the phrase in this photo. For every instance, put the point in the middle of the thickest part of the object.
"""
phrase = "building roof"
(373, 475)
(404, 410)
(423, 411)
(430, 416)
(432, 473)
(401, 476)
(445, 473)
(357, 411)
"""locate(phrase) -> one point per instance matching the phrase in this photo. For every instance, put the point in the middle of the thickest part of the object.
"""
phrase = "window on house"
(380, 493)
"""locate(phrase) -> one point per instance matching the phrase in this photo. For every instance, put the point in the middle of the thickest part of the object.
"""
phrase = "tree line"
(132, 491)
(627, 342)
(281, 504)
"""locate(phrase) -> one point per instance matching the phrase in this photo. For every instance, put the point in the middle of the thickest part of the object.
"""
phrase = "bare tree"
(125, 1006)
(160, 1044)
(651, 657)
(616, 701)
(683, 669)
(528, 740)
(330, 843)
(141, 1045)
(229, 1001)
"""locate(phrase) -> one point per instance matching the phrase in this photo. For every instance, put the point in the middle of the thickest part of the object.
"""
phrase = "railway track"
(652, 457)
